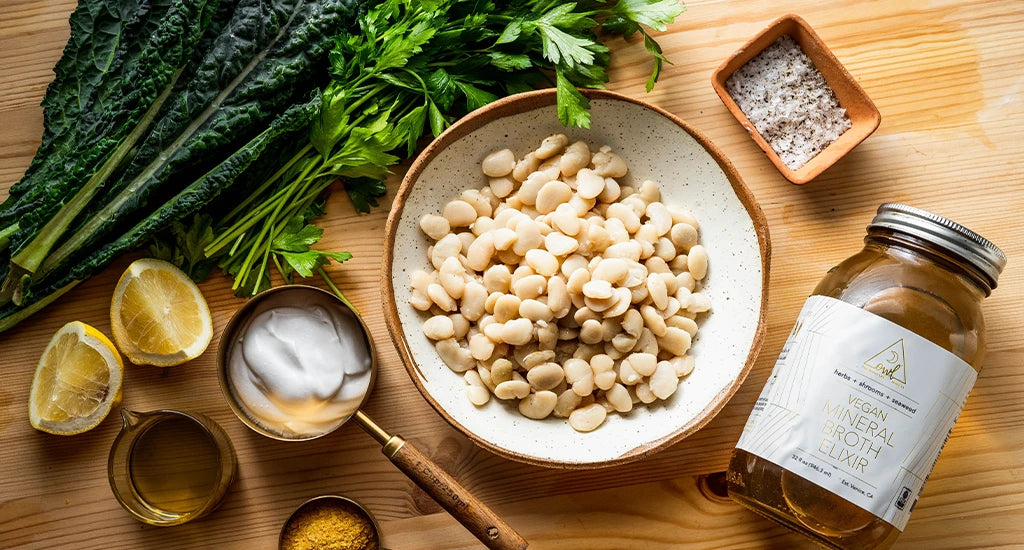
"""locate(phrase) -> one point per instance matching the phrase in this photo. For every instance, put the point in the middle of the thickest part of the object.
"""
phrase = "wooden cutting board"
(946, 77)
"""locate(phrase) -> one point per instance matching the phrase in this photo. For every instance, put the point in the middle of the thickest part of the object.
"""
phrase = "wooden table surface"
(946, 76)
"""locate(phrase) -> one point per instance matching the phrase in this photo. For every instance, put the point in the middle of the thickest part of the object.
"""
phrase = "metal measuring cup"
(474, 515)
(328, 500)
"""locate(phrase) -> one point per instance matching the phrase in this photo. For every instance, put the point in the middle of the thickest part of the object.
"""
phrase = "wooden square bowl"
(864, 116)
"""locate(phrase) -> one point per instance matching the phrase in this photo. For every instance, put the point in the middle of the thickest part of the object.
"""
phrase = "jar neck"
(954, 264)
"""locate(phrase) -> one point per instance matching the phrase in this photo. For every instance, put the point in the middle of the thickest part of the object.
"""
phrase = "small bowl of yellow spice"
(330, 522)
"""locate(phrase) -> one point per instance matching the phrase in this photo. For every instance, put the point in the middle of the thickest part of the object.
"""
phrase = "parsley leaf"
(184, 247)
(656, 14)
(573, 106)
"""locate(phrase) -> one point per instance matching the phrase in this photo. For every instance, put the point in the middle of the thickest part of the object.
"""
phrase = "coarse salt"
(788, 101)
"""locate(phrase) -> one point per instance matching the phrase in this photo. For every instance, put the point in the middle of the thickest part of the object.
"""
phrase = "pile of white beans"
(560, 288)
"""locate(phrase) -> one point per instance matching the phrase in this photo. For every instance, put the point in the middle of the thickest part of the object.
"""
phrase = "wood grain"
(945, 75)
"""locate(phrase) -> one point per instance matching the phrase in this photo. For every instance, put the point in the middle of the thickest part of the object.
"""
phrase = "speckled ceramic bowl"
(691, 172)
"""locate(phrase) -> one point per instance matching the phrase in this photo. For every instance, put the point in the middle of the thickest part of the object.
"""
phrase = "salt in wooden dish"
(863, 114)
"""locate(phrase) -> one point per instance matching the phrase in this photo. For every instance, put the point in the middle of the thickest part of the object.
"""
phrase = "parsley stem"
(268, 182)
(330, 282)
(251, 257)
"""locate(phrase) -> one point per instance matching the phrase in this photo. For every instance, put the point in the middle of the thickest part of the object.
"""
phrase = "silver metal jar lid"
(978, 251)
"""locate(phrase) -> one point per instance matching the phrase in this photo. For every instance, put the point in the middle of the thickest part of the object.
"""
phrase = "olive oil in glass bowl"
(169, 467)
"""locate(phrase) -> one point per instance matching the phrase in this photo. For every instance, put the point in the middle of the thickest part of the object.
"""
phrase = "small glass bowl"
(167, 502)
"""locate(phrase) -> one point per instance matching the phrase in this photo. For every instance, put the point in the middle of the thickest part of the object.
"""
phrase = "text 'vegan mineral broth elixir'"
(870, 382)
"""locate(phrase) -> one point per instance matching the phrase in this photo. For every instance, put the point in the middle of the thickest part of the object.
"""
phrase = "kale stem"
(5, 235)
(31, 256)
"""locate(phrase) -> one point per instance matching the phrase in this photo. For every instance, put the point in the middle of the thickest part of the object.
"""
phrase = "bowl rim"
(821, 54)
(524, 102)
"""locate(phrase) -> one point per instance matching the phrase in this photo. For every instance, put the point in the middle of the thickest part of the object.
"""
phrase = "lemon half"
(77, 381)
(158, 315)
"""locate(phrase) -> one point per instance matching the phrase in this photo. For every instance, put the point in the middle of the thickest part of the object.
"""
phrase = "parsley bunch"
(414, 66)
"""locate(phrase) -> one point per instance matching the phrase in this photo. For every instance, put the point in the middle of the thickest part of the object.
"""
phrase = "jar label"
(859, 406)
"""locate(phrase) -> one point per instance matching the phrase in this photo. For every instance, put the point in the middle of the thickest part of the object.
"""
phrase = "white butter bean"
(435, 226)
(682, 365)
(575, 158)
(481, 347)
(618, 398)
(498, 163)
(613, 270)
(503, 238)
(609, 165)
(551, 146)
(657, 291)
(502, 187)
(479, 255)
(551, 195)
(512, 389)
(438, 295)
(598, 290)
(653, 320)
(558, 296)
(587, 419)
(643, 363)
(535, 310)
(675, 341)
(478, 394)
(538, 405)
(545, 376)
(697, 261)
(664, 381)
(459, 213)
(591, 332)
(501, 370)
(530, 286)
(559, 244)
(699, 303)
(542, 262)
(684, 236)
(630, 250)
(565, 220)
(452, 277)
(518, 332)
(538, 357)
(474, 298)
(455, 356)
(439, 327)
(567, 402)
(506, 308)
(604, 380)
(525, 167)
(589, 185)
(685, 323)
(612, 191)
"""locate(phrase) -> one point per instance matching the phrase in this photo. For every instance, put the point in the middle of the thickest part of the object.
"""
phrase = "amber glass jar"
(870, 383)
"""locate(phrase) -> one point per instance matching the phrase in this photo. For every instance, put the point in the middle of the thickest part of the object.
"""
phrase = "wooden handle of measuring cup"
(470, 512)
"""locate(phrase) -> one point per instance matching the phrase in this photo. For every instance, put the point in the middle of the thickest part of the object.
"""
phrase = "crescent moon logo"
(890, 364)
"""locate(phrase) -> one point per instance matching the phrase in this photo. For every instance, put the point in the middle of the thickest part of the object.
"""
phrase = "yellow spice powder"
(330, 524)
